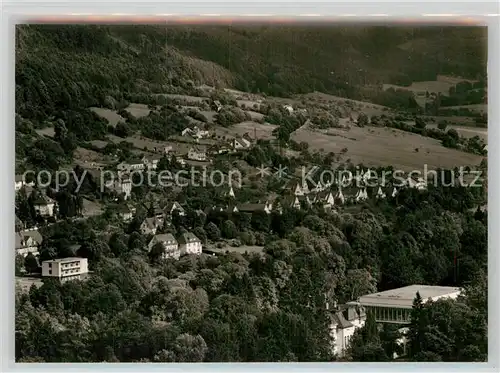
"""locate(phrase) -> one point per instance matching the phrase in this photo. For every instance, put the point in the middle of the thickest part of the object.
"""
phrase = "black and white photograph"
(191, 191)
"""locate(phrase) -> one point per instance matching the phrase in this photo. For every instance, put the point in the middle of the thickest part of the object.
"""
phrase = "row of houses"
(139, 164)
(75, 268)
(360, 182)
(299, 195)
(185, 244)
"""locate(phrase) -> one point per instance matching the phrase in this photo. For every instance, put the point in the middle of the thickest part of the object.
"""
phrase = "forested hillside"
(59, 66)
(271, 275)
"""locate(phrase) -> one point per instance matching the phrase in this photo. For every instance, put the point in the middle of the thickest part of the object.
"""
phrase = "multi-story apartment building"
(66, 269)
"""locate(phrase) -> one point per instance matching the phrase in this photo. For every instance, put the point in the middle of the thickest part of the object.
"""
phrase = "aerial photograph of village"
(251, 193)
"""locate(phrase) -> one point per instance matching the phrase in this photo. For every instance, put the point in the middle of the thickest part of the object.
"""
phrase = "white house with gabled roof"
(169, 243)
(189, 244)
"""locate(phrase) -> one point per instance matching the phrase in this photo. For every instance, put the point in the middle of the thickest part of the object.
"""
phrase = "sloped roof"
(167, 237)
(251, 207)
(24, 235)
(170, 206)
(151, 222)
(339, 319)
(35, 234)
(188, 238)
(18, 222)
(43, 199)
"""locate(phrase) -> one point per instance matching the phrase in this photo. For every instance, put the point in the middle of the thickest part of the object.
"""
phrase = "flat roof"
(69, 259)
(403, 297)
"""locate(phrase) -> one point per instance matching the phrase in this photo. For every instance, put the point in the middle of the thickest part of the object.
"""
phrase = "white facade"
(125, 187)
(45, 209)
(361, 195)
(344, 323)
(195, 155)
(295, 203)
(192, 248)
(65, 269)
(169, 243)
(129, 167)
(150, 226)
(28, 241)
(174, 207)
(380, 193)
(150, 164)
(190, 244)
(126, 216)
(394, 306)
(20, 182)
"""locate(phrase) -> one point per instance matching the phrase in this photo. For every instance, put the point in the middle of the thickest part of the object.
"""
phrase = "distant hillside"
(279, 60)
(61, 66)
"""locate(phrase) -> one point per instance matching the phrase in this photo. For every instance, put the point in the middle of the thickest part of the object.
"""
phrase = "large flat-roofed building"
(66, 268)
(394, 306)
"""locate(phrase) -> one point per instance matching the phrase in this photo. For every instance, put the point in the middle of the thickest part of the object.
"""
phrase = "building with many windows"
(189, 244)
(394, 306)
(169, 243)
(65, 269)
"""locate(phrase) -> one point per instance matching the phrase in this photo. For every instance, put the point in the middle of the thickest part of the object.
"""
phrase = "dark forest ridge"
(276, 60)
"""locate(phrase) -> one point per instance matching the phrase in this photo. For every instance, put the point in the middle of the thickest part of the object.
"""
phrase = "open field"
(193, 99)
(209, 114)
(91, 159)
(25, 282)
(385, 146)
(150, 145)
(140, 142)
(255, 115)
(110, 115)
(263, 131)
(367, 107)
(49, 132)
(431, 86)
(87, 155)
(467, 131)
(453, 79)
(99, 143)
(91, 208)
(248, 104)
(454, 120)
(190, 140)
(138, 110)
(478, 108)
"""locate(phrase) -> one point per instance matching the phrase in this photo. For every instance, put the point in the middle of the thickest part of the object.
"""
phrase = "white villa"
(169, 243)
(189, 244)
(28, 241)
(44, 206)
